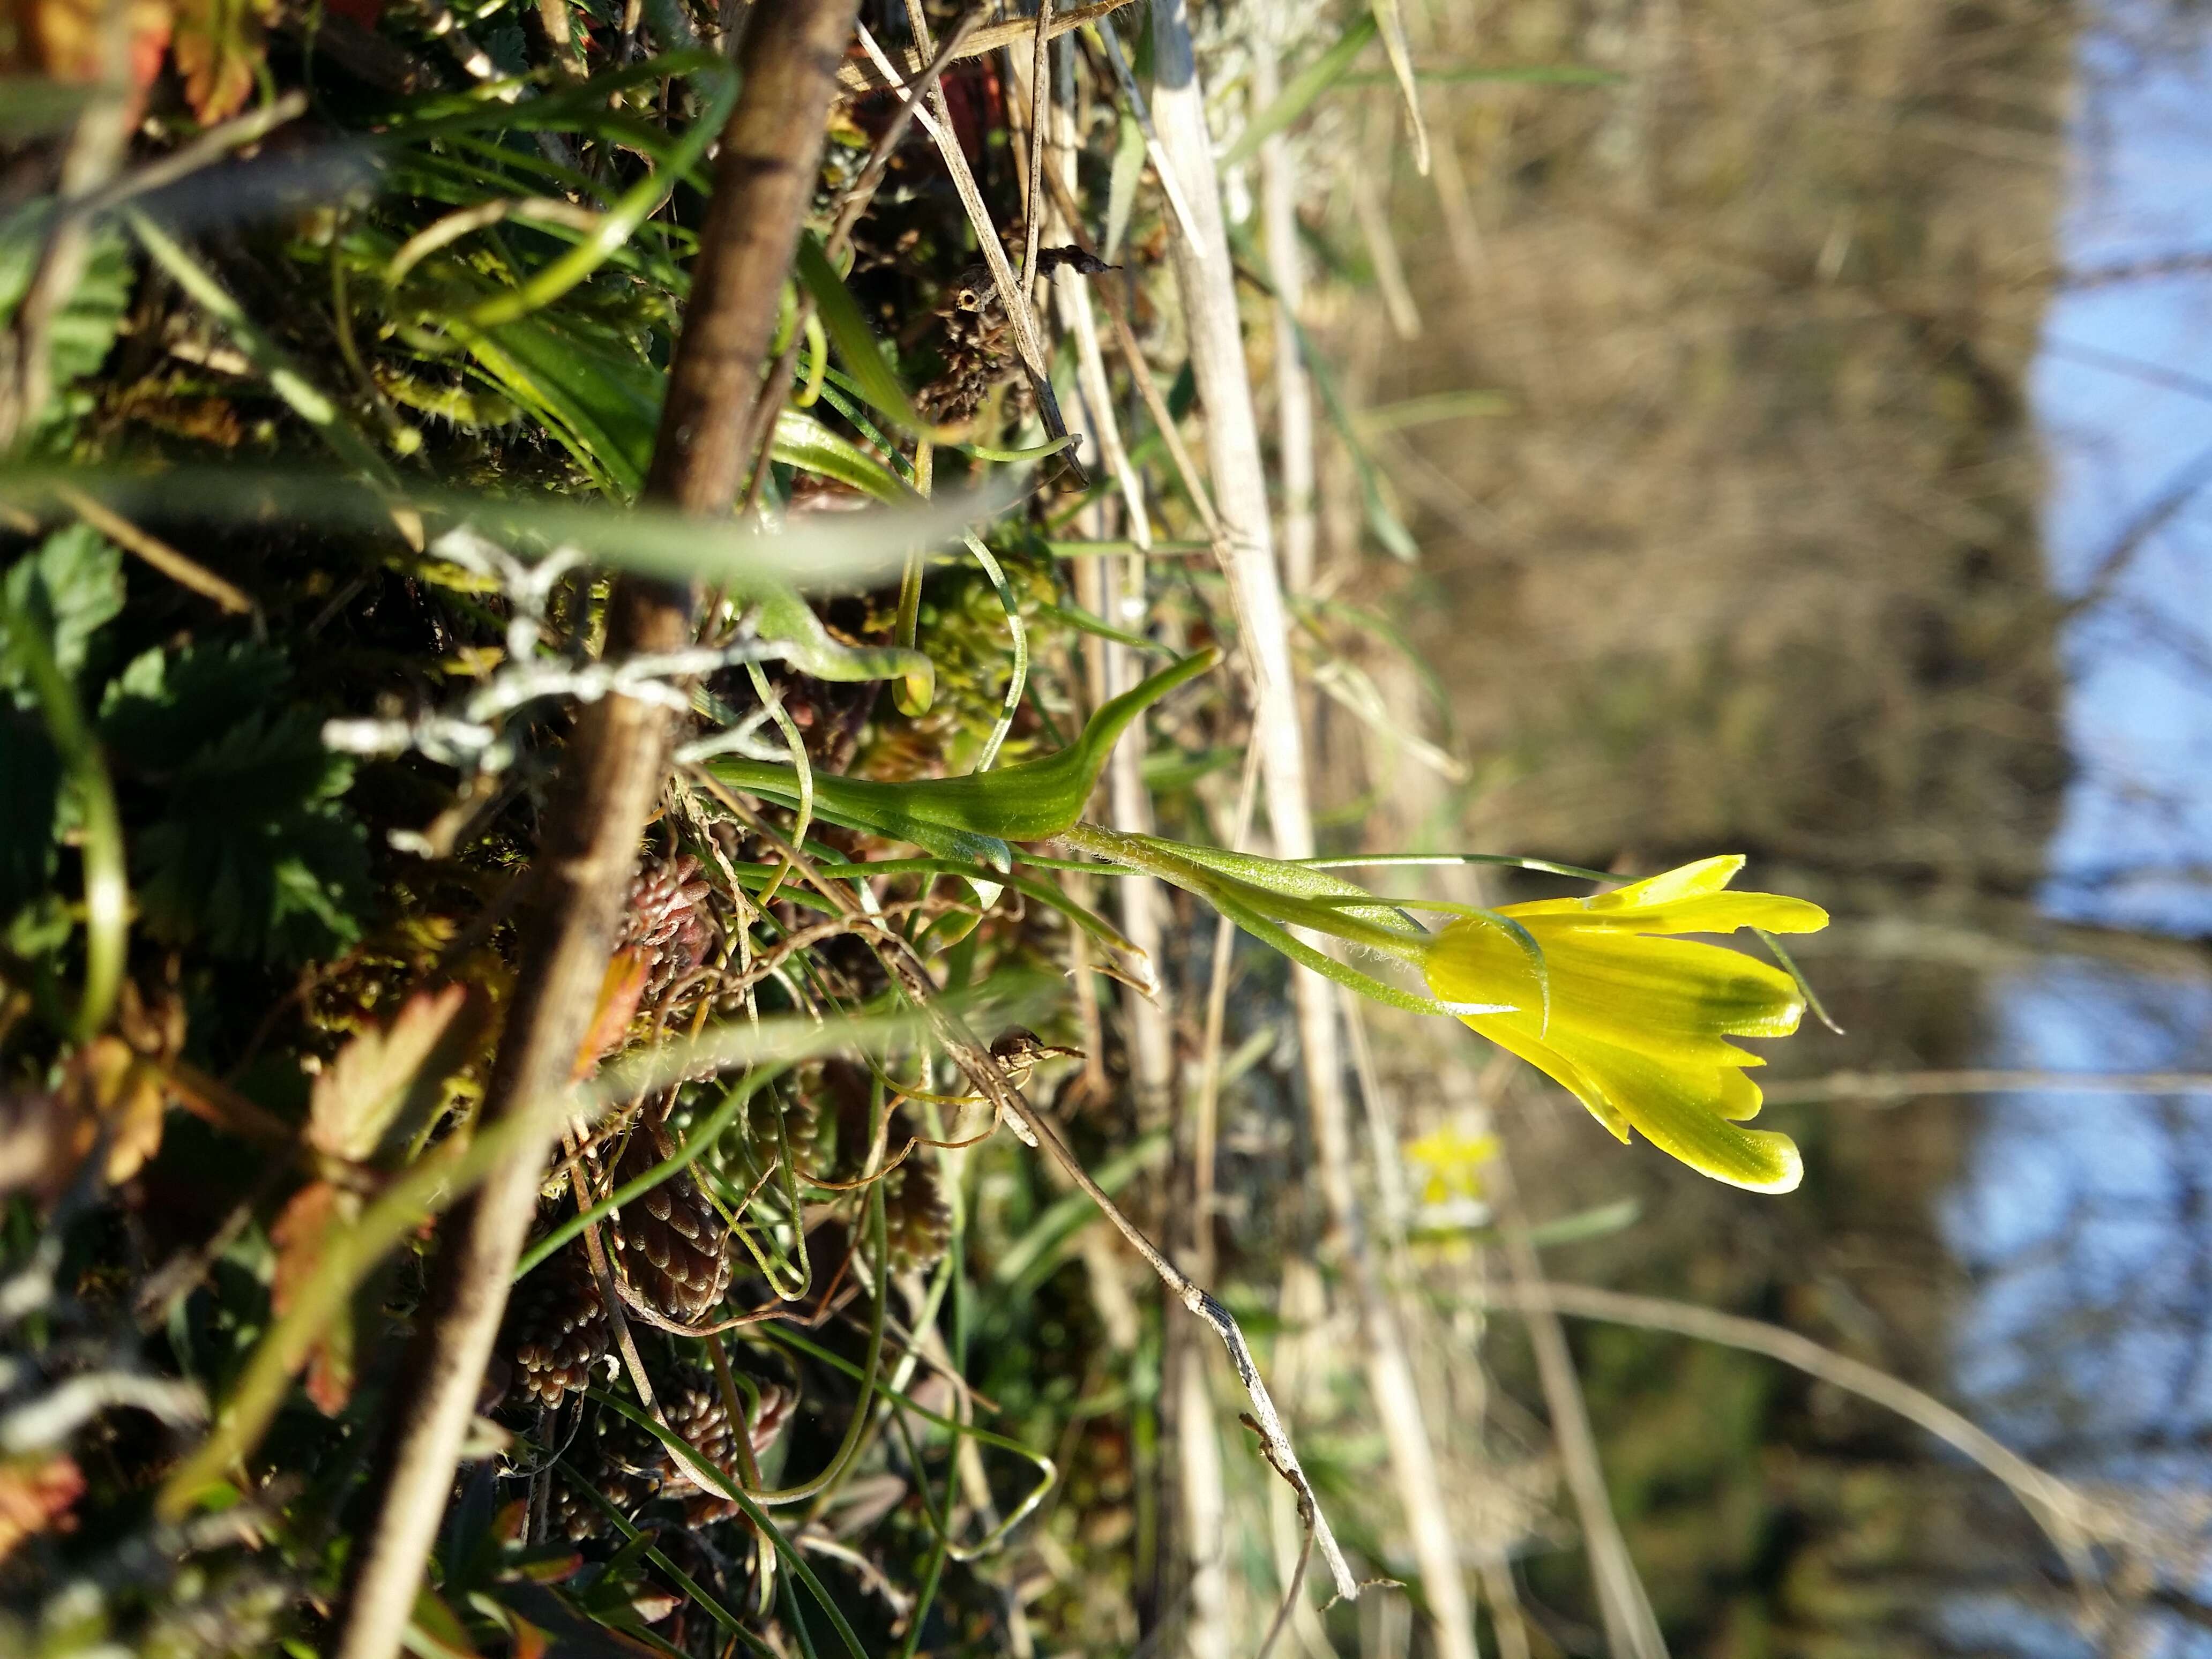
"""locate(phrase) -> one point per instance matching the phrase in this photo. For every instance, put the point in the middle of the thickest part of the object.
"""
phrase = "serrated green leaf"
(83, 330)
(165, 705)
(70, 588)
(251, 853)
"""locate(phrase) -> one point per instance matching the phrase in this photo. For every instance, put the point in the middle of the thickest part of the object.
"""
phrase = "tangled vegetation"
(536, 758)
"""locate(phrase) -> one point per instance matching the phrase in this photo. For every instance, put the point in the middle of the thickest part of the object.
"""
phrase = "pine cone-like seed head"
(674, 1245)
(668, 916)
(693, 1405)
(917, 1221)
(555, 1330)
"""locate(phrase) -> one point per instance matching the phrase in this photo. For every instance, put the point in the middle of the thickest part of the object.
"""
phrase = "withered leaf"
(300, 1234)
(388, 1080)
(220, 47)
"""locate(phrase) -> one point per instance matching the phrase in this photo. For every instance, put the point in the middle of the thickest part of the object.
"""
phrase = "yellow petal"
(1691, 1113)
(1554, 1066)
(1660, 991)
(1711, 912)
(1670, 997)
(1687, 881)
(1739, 1097)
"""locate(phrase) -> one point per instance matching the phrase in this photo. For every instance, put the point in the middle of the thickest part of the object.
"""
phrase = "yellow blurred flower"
(1450, 1161)
(1637, 1023)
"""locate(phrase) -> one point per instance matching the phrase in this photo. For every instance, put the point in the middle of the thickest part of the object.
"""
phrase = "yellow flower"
(1452, 1161)
(1638, 1023)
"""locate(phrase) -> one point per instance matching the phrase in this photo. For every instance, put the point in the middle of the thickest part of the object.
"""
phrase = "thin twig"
(1140, 372)
(862, 190)
(887, 74)
(765, 176)
(1033, 207)
(186, 572)
(1294, 421)
(1171, 185)
(1893, 1088)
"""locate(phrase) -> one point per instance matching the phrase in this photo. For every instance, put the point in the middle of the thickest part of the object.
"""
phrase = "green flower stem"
(801, 765)
(1211, 875)
(870, 1373)
(107, 882)
(1034, 801)
(939, 1550)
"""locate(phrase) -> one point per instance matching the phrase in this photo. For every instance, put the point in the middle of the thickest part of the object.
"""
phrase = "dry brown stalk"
(1294, 421)
(1205, 278)
(1895, 1088)
(179, 568)
(1631, 1629)
(937, 120)
(878, 77)
(1140, 371)
(764, 177)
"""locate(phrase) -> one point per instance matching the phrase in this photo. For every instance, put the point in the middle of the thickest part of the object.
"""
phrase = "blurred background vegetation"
(1690, 474)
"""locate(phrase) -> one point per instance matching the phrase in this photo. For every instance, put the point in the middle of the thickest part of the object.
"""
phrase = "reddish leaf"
(106, 1081)
(363, 12)
(436, 1630)
(300, 1235)
(512, 1524)
(528, 1642)
(36, 1493)
(547, 1565)
(67, 40)
(220, 47)
(619, 991)
(361, 1093)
